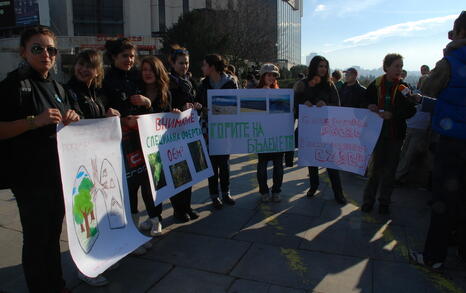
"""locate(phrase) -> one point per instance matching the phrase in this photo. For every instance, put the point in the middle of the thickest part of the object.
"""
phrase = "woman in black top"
(31, 106)
(122, 86)
(183, 93)
(317, 89)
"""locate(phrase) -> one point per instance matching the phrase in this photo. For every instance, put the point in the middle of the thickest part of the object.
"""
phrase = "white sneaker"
(156, 228)
(276, 197)
(146, 225)
(94, 282)
(141, 250)
(265, 197)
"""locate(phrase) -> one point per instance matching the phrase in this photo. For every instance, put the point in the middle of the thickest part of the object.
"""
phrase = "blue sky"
(362, 32)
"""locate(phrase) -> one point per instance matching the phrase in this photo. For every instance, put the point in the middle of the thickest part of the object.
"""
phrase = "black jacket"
(182, 89)
(321, 92)
(119, 86)
(402, 109)
(31, 159)
(352, 95)
(90, 100)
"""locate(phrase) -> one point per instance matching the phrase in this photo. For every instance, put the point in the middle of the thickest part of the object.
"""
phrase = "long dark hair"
(161, 78)
(313, 70)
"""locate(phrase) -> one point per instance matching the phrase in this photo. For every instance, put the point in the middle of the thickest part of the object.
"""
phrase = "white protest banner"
(337, 137)
(250, 121)
(98, 217)
(174, 151)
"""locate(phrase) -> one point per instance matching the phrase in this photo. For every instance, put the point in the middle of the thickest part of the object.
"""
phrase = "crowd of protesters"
(429, 119)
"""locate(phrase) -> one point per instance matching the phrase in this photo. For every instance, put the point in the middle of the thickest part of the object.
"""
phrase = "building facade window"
(162, 18)
(185, 6)
(94, 17)
(289, 33)
(208, 4)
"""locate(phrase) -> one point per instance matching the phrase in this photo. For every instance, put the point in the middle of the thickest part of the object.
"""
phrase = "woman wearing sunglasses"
(31, 106)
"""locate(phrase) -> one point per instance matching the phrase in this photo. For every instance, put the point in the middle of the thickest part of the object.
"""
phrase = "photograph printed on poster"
(198, 156)
(253, 105)
(279, 104)
(180, 173)
(156, 168)
(224, 105)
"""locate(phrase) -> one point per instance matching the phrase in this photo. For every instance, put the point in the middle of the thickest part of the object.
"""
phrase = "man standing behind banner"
(31, 106)
(387, 96)
(317, 89)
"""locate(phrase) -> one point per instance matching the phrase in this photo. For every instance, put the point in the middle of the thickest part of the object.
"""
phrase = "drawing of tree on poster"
(84, 210)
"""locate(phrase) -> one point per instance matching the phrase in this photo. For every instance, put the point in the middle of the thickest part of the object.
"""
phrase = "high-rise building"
(280, 18)
(82, 24)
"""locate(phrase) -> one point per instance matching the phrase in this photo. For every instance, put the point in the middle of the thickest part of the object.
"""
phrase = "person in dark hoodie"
(447, 83)
(317, 89)
(31, 106)
(213, 68)
(388, 97)
(351, 92)
(123, 90)
(183, 92)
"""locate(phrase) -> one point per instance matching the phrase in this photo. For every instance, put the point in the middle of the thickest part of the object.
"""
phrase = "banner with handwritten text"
(174, 151)
(250, 121)
(98, 215)
(337, 137)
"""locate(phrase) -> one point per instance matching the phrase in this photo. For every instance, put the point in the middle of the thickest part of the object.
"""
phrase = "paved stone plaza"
(298, 245)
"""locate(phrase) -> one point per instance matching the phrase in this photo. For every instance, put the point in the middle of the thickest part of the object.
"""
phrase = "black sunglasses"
(37, 50)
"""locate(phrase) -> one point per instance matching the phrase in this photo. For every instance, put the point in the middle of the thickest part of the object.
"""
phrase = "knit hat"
(269, 67)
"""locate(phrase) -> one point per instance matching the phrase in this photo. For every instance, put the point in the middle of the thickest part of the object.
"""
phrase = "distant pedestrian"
(351, 92)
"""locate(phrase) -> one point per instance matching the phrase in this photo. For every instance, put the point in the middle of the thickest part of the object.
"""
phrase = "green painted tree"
(83, 208)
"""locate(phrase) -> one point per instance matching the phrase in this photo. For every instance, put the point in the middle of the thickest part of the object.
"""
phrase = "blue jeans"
(277, 159)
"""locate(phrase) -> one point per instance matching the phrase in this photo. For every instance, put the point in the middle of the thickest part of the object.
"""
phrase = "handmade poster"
(250, 121)
(174, 151)
(98, 217)
(337, 137)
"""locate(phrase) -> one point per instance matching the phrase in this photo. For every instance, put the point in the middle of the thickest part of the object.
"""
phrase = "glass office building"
(94, 17)
(289, 32)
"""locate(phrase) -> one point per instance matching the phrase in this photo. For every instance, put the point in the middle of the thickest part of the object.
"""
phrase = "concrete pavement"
(298, 245)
